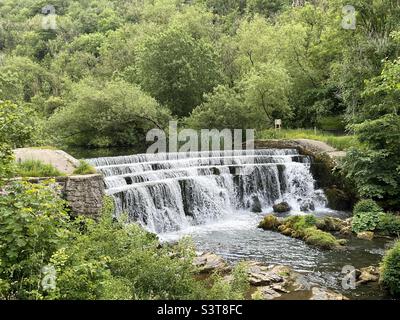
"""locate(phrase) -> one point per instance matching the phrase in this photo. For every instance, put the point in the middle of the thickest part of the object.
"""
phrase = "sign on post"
(278, 124)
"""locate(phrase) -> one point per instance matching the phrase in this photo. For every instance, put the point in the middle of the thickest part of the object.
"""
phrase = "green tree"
(266, 88)
(375, 166)
(114, 113)
(177, 69)
(224, 108)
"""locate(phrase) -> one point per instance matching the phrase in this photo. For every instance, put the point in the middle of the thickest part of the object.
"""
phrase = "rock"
(281, 207)
(318, 293)
(346, 231)
(337, 199)
(267, 293)
(366, 235)
(209, 262)
(331, 224)
(368, 274)
(255, 204)
(270, 222)
(307, 206)
(261, 275)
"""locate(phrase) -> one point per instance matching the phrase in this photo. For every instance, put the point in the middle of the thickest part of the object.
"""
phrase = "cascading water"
(170, 192)
(211, 196)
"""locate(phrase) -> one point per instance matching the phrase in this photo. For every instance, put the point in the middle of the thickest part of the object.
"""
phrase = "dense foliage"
(102, 73)
(92, 260)
(366, 216)
(390, 270)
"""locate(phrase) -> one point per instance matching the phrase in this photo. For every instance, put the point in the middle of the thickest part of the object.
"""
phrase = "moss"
(270, 222)
(330, 224)
(321, 239)
(303, 227)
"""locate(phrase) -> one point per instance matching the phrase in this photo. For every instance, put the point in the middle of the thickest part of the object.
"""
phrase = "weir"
(171, 191)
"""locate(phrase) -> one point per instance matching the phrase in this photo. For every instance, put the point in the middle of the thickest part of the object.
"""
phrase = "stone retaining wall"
(84, 193)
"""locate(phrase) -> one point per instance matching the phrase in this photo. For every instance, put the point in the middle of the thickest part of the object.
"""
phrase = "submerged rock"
(332, 224)
(281, 207)
(208, 262)
(274, 281)
(368, 274)
(319, 293)
(270, 222)
(255, 204)
(307, 206)
(366, 235)
(260, 274)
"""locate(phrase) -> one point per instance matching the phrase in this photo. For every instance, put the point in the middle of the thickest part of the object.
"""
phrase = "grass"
(37, 168)
(84, 168)
(338, 142)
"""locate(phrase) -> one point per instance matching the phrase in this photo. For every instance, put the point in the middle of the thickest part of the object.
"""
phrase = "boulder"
(346, 231)
(318, 293)
(255, 204)
(368, 274)
(337, 198)
(307, 206)
(331, 224)
(266, 293)
(261, 275)
(366, 235)
(208, 262)
(270, 222)
(281, 207)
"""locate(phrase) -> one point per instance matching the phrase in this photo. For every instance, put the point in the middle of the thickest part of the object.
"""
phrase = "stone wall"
(84, 193)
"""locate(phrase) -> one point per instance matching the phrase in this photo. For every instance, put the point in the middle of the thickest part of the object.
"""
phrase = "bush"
(37, 168)
(367, 206)
(84, 168)
(366, 216)
(390, 270)
(389, 224)
(33, 225)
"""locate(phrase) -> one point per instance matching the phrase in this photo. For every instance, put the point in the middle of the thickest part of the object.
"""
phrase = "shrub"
(37, 168)
(84, 168)
(367, 206)
(366, 216)
(390, 270)
(33, 225)
(389, 224)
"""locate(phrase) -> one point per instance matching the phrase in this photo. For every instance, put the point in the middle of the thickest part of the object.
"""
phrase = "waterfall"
(171, 191)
